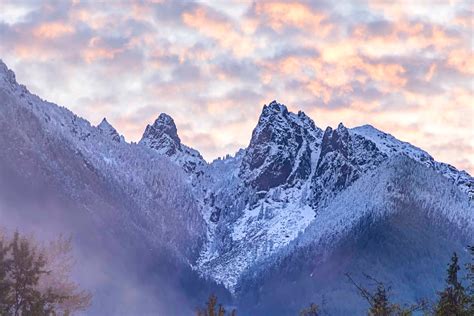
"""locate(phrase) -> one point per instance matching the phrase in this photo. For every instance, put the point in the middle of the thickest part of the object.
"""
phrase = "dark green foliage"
(211, 308)
(22, 268)
(312, 310)
(221, 311)
(470, 279)
(5, 299)
(453, 300)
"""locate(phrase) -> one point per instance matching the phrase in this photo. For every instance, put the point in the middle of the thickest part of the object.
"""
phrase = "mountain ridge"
(292, 183)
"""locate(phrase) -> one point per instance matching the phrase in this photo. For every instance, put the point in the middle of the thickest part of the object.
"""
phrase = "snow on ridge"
(388, 143)
(260, 224)
(162, 137)
(134, 170)
(261, 231)
(376, 196)
(392, 146)
(250, 237)
(107, 129)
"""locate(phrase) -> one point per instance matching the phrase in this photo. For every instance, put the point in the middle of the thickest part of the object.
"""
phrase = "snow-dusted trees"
(35, 280)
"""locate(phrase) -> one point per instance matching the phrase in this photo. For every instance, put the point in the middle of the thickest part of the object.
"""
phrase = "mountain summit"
(163, 137)
(281, 148)
(163, 128)
(107, 129)
(275, 226)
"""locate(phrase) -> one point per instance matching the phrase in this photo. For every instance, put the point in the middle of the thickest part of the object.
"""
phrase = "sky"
(406, 67)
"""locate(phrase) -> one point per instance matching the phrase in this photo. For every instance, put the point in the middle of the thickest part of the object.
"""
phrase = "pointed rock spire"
(164, 124)
(274, 108)
(106, 128)
(335, 140)
(162, 135)
(280, 148)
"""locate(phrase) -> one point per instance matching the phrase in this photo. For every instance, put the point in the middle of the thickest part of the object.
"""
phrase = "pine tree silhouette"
(453, 300)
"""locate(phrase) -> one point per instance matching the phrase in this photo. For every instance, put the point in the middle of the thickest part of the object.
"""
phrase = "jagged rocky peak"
(164, 124)
(163, 137)
(335, 140)
(106, 128)
(280, 149)
(334, 170)
(274, 108)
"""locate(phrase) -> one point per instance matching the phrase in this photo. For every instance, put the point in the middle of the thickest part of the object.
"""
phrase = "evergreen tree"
(5, 299)
(379, 302)
(28, 287)
(380, 305)
(453, 299)
(221, 311)
(312, 310)
(26, 268)
(211, 307)
(470, 279)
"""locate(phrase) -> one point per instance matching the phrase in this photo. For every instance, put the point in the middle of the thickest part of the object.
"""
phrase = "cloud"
(284, 15)
(52, 30)
(216, 26)
(406, 68)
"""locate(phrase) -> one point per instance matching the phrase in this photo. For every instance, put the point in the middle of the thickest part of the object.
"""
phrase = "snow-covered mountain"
(289, 174)
(163, 137)
(399, 223)
(297, 202)
(128, 208)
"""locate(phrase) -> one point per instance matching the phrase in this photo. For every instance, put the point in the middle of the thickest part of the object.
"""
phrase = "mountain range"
(270, 228)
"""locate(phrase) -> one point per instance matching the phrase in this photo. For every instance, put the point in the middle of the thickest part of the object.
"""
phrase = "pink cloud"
(223, 31)
(280, 15)
(408, 69)
(52, 30)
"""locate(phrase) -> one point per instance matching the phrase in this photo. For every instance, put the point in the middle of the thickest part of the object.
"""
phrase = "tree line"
(456, 299)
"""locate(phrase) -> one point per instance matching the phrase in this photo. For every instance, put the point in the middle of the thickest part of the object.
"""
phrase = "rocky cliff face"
(162, 136)
(343, 158)
(281, 148)
(290, 172)
(294, 192)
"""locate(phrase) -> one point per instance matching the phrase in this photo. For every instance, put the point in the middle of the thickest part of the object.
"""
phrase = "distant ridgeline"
(269, 229)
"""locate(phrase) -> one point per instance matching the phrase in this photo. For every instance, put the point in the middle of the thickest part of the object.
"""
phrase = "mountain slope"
(399, 223)
(299, 203)
(271, 208)
(127, 208)
(390, 146)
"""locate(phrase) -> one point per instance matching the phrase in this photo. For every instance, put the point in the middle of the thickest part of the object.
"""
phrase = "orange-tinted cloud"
(284, 14)
(405, 67)
(53, 30)
(220, 29)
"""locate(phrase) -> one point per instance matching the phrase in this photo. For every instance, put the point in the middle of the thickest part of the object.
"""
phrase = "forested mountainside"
(269, 228)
